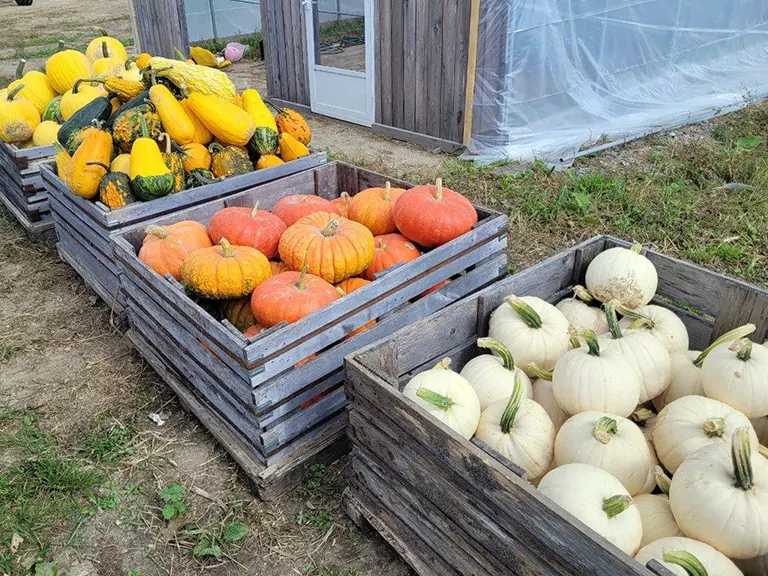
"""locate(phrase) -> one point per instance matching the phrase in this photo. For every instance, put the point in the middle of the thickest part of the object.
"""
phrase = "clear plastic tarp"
(558, 77)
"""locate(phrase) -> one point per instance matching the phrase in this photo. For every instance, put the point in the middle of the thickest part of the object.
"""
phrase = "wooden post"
(474, 23)
(161, 26)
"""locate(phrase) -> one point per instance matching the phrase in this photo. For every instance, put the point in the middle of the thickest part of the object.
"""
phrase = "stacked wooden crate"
(275, 408)
(454, 506)
(22, 189)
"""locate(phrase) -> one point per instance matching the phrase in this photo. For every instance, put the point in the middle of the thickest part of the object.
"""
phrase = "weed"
(316, 477)
(347, 28)
(313, 570)
(8, 351)
(112, 446)
(173, 497)
(252, 41)
(310, 515)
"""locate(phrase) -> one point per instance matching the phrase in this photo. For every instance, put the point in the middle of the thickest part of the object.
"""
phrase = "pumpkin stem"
(300, 284)
(496, 346)
(642, 415)
(76, 87)
(444, 364)
(104, 50)
(582, 294)
(255, 210)
(439, 189)
(13, 93)
(277, 108)
(226, 248)
(340, 291)
(573, 335)
(743, 349)
(613, 321)
(387, 190)
(686, 560)
(714, 427)
(513, 406)
(615, 505)
(61, 46)
(165, 136)
(330, 228)
(107, 168)
(347, 199)
(525, 311)
(100, 31)
(734, 334)
(179, 54)
(20, 69)
(741, 456)
(637, 248)
(638, 320)
(158, 231)
(591, 338)
(437, 400)
(604, 429)
(538, 371)
(662, 480)
(215, 148)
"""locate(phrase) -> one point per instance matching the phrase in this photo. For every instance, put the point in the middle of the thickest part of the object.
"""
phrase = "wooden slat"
(398, 63)
(422, 65)
(386, 47)
(289, 47)
(409, 65)
(433, 82)
(270, 49)
(301, 54)
(161, 26)
(450, 29)
(380, 45)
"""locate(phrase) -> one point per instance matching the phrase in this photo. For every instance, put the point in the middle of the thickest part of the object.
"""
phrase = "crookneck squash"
(114, 188)
(290, 148)
(124, 89)
(150, 177)
(258, 110)
(86, 173)
(229, 161)
(175, 164)
(202, 134)
(230, 124)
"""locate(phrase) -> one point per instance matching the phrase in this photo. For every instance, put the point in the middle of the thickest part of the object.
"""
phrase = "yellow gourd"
(202, 134)
(150, 177)
(230, 124)
(80, 95)
(18, 118)
(203, 57)
(130, 72)
(268, 161)
(63, 162)
(65, 68)
(121, 163)
(142, 60)
(196, 156)
(115, 48)
(84, 176)
(175, 120)
(108, 65)
(290, 148)
(254, 105)
(37, 89)
(45, 134)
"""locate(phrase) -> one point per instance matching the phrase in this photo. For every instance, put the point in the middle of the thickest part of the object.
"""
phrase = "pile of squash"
(128, 129)
(600, 412)
(265, 268)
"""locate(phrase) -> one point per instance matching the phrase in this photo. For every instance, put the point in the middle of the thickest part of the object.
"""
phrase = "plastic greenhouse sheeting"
(558, 77)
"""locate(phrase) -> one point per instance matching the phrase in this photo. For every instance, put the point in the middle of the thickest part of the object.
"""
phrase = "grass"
(333, 32)
(252, 41)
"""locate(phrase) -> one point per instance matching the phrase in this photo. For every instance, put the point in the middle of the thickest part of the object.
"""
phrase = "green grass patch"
(333, 32)
(111, 446)
(252, 41)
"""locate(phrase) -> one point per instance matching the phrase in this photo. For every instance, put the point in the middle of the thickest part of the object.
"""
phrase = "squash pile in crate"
(600, 412)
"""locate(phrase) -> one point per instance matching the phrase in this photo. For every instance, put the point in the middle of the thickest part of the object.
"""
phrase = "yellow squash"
(65, 68)
(230, 124)
(63, 162)
(196, 156)
(254, 105)
(203, 56)
(194, 78)
(175, 120)
(142, 60)
(37, 89)
(18, 118)
(150, 177)
(290, 148)
(268, 161)
(46, 133)
(115, 48)
(84, 176)
(202, 134)
(121, 163)
(107, 64)
(80, 95)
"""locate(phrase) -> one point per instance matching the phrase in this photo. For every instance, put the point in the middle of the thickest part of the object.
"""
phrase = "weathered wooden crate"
(22, 189)
(253, 385)
(453, 506)
(84, 227)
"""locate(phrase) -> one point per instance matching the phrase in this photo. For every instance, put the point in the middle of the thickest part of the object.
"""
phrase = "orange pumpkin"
(347, 287)
(435, 288)
(333, 247)
(433, 215)
(165, 247)
(342, 204)
(289, 297)
(373, 209)
(248, 227)
(238, 312)
(252, 331)
(278, 268)
(224, 272)
(293, 208)
(391, 249)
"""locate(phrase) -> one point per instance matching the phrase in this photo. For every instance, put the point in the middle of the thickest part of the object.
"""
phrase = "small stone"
(437, 151)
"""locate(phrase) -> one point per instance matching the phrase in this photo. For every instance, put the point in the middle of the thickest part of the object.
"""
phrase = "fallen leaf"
(16, 541)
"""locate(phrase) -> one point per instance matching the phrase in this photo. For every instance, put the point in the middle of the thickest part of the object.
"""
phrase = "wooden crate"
(22, 190)
(450, 505)
(84, 227)
(253, 385)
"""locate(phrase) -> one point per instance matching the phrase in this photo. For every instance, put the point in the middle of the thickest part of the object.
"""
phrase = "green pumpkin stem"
(439, 189)
(642, 415)
(714, 427)
(13, 93)
(330, 228)
(20, 69)
(76, 87)
(525, 311)
(583, 294)
(301, 284)
(591, 339)
(179, 54)
(107, 168)
(613, 321)
(637, 248)
(226, 248)
(387, 190)
(686, 560)
(743, 349)
(157, 231)
(573, 335)
(496, 346)
(741, 456)
(538, 371)
(662, 480)
(615, 505)
(61, 46)
(275, 106)
(735, 334)
(437, 400)
(638, 320)
(605, 428)
(100, 31)
(513, 406)
(104, 50)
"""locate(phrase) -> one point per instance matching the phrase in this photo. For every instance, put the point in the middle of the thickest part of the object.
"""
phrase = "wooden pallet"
(22, 190)
(451, 505)
(88, 225)
(253, 384)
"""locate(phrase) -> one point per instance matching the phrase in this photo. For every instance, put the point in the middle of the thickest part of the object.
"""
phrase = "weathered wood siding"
(285, 50)
(161, 26)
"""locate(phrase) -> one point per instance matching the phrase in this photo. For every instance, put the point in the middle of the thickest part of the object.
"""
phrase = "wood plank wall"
(285, 50)
(161, 26)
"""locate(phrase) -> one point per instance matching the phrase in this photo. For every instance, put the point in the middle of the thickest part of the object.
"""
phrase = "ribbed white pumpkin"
(447, 396)
(591, 378)
(545, 397)
(580, 314)
(691, 423)
(675, 553)
(493, 377)
(599, 500)
(643, 351)
(737, 374)
(659, 322)
(532, 329)
(607, 441)
(719, 495)
(656, 514)
(520, 430)
(622, 274)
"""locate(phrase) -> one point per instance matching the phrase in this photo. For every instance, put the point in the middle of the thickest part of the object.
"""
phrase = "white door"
(340, 55)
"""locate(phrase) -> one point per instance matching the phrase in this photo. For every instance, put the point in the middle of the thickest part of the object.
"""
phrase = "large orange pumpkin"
(391, 249)
(373, 209)
(253, 330)
(224, 272)
(433, 215)
(347, 287)
(333, 247)
(289, 297)
(165, 247)
(248, 227)
(342, 204)
(278, 268)
(238, 312)
(293, 208)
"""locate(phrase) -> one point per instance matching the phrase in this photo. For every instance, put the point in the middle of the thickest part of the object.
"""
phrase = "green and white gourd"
(493, 377)
(580, 314)
(658, 321)
(545, 397)
(622, 274)
(686, 557)
(656, 512)
(737, 374)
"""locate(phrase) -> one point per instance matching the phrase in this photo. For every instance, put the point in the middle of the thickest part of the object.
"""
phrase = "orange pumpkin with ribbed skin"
(238, 312)
(165, 247)
(391, 249)
(278, 268)
(347, 287)
(433, 215)
(435, 288)
(373, 209)
(342, 204)
(248, 227)
(253, 331)
(224, 272)
(333, 247)
(293, 208)
(289, 297)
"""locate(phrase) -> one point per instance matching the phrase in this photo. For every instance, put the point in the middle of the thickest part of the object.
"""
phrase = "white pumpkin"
(520, 430)
(493, 377)
(737, 374)
(622, 274)
(719, 495)
(643, 351)
(647, 429)
(591, 378)
(607, 441)
(691, 423)
(683, 557)
(659, 322)
(656, 514)
(599, 500)
(447, 396)
(532, 329)
(545, 397)
(580, 314)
